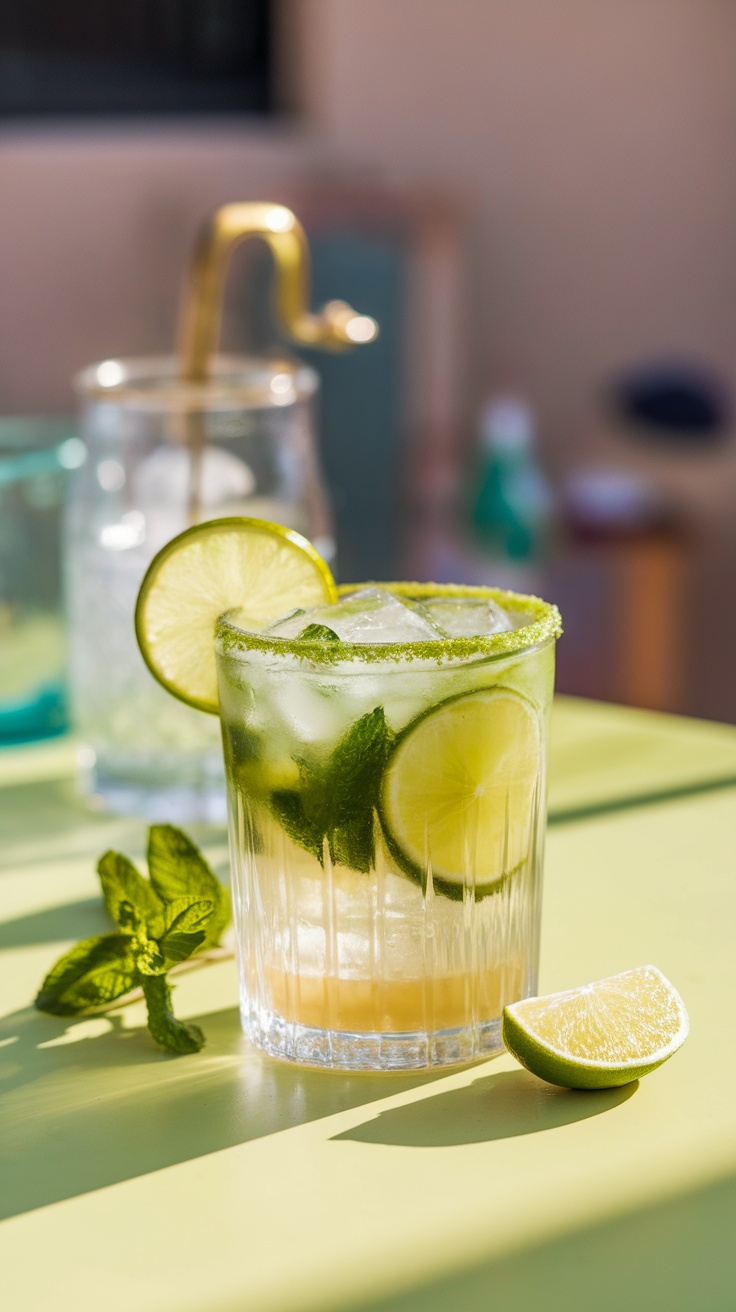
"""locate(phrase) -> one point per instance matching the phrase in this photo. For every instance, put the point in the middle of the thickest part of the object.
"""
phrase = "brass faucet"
(336, 327)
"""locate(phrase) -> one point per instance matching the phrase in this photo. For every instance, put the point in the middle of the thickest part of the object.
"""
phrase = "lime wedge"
(600, 1035)
(262, 568)
(459, 791)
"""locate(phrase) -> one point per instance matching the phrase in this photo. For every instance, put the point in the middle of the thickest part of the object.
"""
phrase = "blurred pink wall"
(96, 227)
(594, 146)
(590, 145)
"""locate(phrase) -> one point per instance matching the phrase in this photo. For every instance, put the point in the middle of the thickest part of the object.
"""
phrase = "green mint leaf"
(319, 633)
(354, 771)
(177, 947)
(180, 909)
(185, 932)
(90, 975)
(148, 959)
(241, 745)
(336, 799)
(352, 843)
(289, 808)
(129, 897)
(176, 1036)
(187, 913)
(178, 869)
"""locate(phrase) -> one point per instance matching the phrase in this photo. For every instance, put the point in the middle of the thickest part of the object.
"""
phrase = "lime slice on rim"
(601, 1035)
(262, 568)
(459, 789)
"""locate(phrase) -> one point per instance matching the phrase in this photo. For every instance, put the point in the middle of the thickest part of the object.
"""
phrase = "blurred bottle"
(513, 512)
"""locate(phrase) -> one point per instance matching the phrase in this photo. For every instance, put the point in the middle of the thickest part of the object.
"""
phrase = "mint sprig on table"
(335, 802)
(181, 908)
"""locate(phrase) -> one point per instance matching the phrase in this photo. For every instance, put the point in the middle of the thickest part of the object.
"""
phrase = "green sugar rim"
(545, 625)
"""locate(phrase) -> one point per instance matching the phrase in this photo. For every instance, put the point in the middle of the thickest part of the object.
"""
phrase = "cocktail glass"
(387, 813)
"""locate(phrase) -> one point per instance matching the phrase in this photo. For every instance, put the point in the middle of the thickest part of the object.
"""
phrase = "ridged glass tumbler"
(357, 948)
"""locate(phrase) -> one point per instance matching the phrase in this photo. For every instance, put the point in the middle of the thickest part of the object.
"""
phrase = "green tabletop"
(227, 1181)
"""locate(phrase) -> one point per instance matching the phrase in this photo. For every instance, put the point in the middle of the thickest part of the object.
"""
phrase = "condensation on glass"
(370, 969)
(162, 454)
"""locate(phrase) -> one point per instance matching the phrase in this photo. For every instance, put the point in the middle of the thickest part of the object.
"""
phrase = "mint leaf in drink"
(162, 921)
(94, 973)
(177, 869)
(130, 899)
(176, 1036)
(337, 798)
(241, 745)
(291, 809)
(318, 633)
(354, 770)
(353, 844)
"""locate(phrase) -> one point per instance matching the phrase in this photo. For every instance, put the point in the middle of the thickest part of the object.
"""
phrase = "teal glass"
(36, 455)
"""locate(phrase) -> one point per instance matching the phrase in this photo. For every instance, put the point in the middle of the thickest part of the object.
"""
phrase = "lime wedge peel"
(599, 1036)
(459, 792)
(263, 569)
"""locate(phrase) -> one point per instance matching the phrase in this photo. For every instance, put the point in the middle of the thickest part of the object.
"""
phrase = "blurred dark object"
(610, 504)
(679, 404)
(359, 417)
(80, 57)
(386, 420)
(621, 576)
(622, 585)
(512, 512)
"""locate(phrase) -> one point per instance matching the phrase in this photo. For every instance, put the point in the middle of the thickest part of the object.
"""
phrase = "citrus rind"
(459, 792)
(654, 1025)
(263, 569)
(541, 625)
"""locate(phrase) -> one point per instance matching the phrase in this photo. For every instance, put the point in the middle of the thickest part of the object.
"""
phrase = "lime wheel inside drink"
(457, 798)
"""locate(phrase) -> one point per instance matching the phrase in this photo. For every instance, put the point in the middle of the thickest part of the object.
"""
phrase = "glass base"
(339, 1050)
(162, 801)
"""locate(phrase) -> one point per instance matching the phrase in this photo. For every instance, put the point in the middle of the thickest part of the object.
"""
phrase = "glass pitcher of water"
(171, 442)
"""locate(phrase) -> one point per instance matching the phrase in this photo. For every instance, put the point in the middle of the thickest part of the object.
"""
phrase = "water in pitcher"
(160, 458)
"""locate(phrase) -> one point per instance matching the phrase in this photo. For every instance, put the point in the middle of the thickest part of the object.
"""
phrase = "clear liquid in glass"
(361, 965)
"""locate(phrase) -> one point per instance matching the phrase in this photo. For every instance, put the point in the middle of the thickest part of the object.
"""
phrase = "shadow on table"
(46, 820)
(497, 1106)
(89, 1102)
(73, 920)
(676, 1256)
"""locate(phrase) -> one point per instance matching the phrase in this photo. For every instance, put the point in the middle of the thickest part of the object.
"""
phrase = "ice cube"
(164, 477)
(163, 481)
(368, 615)
(374, 615)
(305, 711)
(291, 625)
(467, 617)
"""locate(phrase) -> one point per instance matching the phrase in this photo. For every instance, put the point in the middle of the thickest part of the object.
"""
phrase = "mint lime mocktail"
(385, 758)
